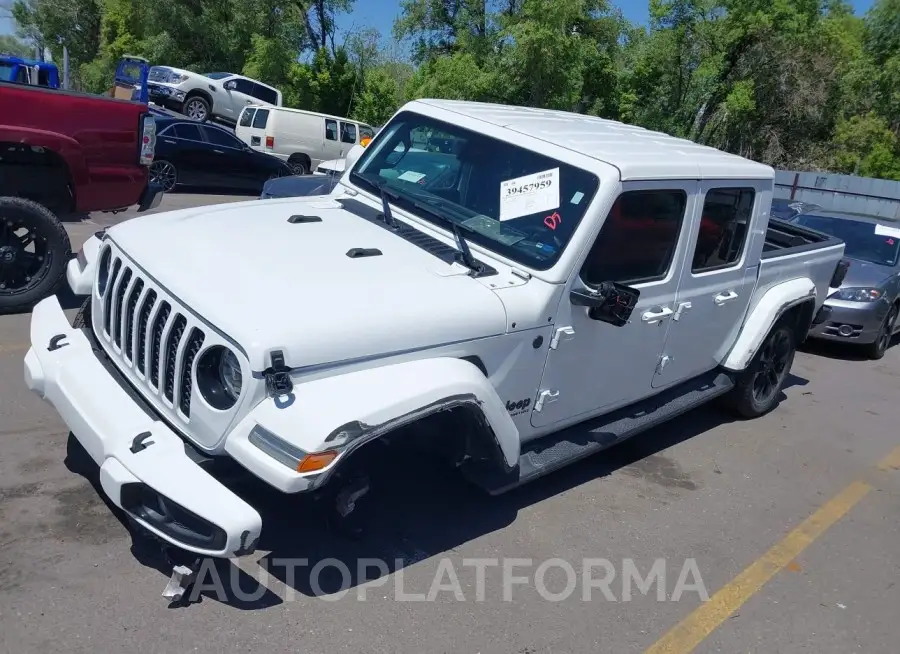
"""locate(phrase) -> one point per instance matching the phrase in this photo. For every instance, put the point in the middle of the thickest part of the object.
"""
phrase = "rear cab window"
(264, 93)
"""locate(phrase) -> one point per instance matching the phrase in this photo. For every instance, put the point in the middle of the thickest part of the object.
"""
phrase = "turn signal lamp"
(316, 461)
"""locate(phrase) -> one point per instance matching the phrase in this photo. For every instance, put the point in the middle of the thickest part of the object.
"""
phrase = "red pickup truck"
(63, 153)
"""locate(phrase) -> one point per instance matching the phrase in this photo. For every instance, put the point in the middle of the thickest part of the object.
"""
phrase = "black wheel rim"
(884, 336)
(297, 168)
(163, 173)
(25, 257)
(773, 366)
(195, 109)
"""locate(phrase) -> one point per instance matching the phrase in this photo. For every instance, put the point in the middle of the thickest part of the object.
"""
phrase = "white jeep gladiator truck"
(556, 284)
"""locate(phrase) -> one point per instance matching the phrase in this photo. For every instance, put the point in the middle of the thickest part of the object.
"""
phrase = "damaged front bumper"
(144, 467)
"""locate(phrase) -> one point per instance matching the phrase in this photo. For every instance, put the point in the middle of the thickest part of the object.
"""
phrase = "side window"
(331, 130)
(187, 131)
(348, 133)
(244, 86)
(723, 228)
(265, 94)
(220, 137)
(638, 239)
(261, 118)
(247, 117)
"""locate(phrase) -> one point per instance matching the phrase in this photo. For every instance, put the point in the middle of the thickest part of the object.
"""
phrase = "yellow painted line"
(4, 349)
(890, 462)
(688, 634)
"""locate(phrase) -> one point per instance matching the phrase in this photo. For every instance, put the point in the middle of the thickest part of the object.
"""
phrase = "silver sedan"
(864, 309)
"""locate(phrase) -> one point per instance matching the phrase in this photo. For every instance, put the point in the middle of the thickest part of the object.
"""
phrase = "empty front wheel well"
(460, 435)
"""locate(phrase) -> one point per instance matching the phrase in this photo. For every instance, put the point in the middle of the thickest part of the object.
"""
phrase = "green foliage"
(793, 83)
(12, 45)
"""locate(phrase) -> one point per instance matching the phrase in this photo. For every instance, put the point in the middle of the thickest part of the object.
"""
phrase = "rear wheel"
(299, 166)
(877, 349)
(34, 251)
(759, 386)
(164, 174)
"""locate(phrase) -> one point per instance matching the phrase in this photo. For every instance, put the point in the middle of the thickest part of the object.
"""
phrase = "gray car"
(864, 309)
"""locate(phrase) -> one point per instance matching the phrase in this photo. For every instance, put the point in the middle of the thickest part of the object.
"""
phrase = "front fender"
(771, 306)
(344, 411)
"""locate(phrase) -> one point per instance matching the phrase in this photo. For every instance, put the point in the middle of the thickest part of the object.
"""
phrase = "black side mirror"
(610, 302)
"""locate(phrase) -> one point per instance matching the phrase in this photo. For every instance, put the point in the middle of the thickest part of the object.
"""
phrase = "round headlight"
(230, 372)
(219, 377)
(103, 270)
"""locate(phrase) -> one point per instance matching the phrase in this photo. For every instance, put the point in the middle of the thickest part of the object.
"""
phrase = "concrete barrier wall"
(842, 193)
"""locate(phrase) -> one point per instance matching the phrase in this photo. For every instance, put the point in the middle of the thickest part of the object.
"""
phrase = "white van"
(302, 138)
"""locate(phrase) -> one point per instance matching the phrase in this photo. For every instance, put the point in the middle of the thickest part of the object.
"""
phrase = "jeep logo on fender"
(516, 408)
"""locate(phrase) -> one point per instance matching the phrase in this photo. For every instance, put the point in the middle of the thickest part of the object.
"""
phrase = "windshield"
(879, 244)
(217, 75)
(521, 204)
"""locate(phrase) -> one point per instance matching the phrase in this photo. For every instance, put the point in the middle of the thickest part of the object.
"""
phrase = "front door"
(239, 93)
(592, 366)
(716, 286)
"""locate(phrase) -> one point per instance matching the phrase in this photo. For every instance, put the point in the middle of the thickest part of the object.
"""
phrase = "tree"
(12, 45)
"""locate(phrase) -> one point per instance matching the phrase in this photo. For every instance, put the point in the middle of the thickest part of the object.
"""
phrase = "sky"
(381, 13)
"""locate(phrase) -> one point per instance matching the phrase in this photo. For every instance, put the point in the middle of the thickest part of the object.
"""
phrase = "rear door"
(187, 150)
(265, 94)
(232, 165)
(252, 127)
(239, 96)
(716, 284)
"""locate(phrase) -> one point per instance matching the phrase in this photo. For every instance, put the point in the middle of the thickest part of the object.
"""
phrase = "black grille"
(156, 341)
(107, 301)
(172, 343)
(129, 317)
(195, 342)
(143, 319)
(120, 300)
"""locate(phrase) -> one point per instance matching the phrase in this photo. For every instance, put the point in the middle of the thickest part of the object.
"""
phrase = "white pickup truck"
(563, 283)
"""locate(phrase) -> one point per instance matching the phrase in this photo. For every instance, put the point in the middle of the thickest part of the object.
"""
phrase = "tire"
(758, 387)
(82, 319)
(165, 174)
(299, 167)
(877, 349)
(34, 253)
(197, 108)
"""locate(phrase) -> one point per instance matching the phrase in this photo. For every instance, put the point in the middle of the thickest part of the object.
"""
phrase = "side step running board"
(544, 455)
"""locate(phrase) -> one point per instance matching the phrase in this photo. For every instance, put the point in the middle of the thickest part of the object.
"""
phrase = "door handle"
(655, 316)
(168, 141)
(722, 298)
(249, 101)
(218, 152)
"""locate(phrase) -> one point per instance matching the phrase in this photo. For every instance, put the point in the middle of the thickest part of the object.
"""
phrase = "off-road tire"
(745, 398)
(83, 317)
(877, 349)
(51, 232)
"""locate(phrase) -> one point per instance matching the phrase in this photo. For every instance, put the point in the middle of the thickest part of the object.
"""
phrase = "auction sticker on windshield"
(529, 194)
(883, 230)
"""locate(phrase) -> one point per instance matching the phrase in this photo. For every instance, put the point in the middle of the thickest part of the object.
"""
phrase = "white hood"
(269, 284)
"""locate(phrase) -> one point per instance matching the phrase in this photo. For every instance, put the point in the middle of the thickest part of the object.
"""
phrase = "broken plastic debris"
(181, 579)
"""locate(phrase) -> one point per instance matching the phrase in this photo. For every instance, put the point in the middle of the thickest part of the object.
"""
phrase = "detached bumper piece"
(144, 468)
(150, 197)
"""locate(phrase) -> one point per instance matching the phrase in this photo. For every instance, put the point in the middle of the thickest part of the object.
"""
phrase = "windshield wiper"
(465, 254)
(386, 207)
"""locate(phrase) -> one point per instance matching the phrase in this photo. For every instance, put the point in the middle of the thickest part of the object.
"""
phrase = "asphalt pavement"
(778, 535)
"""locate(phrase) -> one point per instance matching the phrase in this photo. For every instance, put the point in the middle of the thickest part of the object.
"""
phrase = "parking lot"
(790, 522)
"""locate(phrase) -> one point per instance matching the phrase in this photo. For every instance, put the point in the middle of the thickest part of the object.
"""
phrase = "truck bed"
(784, 238)
(791, 251)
